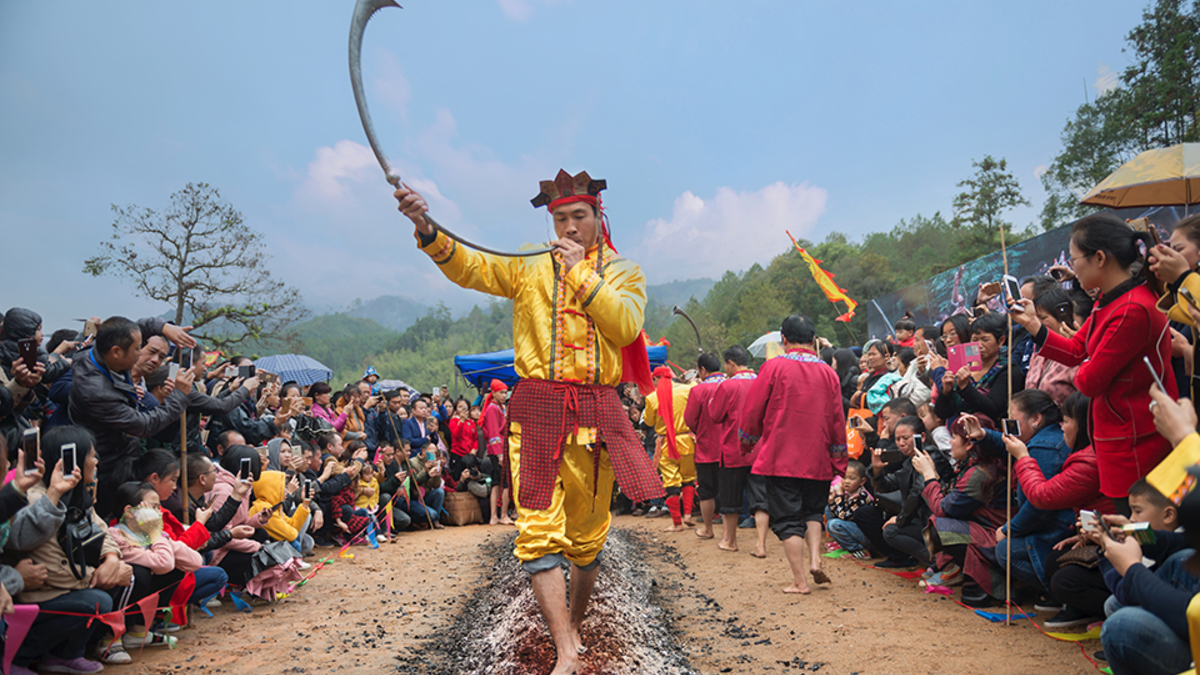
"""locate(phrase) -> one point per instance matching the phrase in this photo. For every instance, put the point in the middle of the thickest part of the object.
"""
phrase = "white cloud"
(333, 168)
(1040, 170)
(517, 10)
(730, 231)
(1106, 79)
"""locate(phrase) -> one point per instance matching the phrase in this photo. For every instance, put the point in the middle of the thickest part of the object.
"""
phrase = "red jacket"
(708, 434)
(794, 412)
(493, 422)
(1075, 486)
(724, 410)
(464, 436)
(195, 536)
(1108, 350)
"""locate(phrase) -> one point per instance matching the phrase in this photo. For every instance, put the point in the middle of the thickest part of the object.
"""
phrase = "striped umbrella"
(305, 370)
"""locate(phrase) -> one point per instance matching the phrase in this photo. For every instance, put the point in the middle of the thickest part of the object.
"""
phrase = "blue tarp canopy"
(481, 369)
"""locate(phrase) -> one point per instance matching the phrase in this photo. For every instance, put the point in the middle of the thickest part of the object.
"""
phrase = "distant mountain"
(390, 311)
(679, 292)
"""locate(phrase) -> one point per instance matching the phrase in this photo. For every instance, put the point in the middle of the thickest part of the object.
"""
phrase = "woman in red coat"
(1123, 328)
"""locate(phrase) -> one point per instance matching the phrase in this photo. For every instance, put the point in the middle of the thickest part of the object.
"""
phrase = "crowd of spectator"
(104, 510)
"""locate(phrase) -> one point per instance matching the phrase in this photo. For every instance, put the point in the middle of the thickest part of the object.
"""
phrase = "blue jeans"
(1137, 641)
(428, 510)
(1022, 564)
(64, 636)
(845, 533)
(209, 582)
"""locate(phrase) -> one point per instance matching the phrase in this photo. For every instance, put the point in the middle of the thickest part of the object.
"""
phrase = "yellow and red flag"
(825, 280)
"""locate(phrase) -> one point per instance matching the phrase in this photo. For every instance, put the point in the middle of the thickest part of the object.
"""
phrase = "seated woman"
(873, 390)
(1079, 587)
(77, 586)
(985, 391)
(1034, 531)
(968, 509)
(903, 531)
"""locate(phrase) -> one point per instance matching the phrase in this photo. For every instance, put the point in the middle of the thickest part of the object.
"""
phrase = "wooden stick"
(183, 466)
(1009, 488)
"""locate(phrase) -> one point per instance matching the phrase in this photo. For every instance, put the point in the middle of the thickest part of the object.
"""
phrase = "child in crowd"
(1147, 625)
(140, 535)
(270, 495)
(847, 497)
(368, 491)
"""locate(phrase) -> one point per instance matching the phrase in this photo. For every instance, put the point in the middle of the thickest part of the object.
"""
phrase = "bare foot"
(578, 640)
(687, 520)
(568, 664)
(758, 553)
(726, 546)
(802, 589)
(494, 522)
(675, 528)
(506, 521)
(703, 534)
(819, 576)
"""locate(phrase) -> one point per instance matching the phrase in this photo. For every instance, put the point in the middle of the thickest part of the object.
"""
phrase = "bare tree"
(200, 257)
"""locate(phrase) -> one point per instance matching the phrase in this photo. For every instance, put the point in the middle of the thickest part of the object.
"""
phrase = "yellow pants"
(676, 472)
(576, 524)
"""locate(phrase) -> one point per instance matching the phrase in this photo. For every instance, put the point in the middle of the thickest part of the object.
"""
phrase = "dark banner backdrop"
(933, 300)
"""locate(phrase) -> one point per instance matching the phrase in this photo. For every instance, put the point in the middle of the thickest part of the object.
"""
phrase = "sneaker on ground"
(147, 639)
(1099, 656)
(159, 627)
(113, 653)
(1069, 617)
(947, 577)
(1047, 603)
(656, 512)
(53, 664)
(746, 524)
(303, 565)
(861, 554)
(929, 571)
(213, 604)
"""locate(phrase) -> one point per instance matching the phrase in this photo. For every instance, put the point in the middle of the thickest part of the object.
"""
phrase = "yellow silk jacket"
(566, 327)
(684, 441)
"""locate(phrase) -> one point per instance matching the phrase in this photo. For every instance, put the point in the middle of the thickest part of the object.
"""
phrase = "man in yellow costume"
(577, 320)
(676, 451)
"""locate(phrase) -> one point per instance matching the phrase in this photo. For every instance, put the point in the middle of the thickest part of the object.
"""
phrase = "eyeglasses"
(1071, 261)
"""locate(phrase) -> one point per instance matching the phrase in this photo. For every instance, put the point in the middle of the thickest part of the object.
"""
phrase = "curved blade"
(363, 11)
(679, 312)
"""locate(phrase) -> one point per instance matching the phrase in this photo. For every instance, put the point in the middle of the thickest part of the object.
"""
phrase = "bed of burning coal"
(630, 628)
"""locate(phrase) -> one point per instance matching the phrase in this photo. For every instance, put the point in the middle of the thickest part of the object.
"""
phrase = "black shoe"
(1070, 617)
(1099, 656)
(1047, 603)
(978, 599)
(322, 542)
(895, 564)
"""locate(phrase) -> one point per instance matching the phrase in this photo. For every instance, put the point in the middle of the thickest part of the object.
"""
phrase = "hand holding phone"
(69, 460)
(244, 470)
(32, 444)
(28, 350)
(1012, 287)
(1154, 374)
(1011, 427)
(1089, 521)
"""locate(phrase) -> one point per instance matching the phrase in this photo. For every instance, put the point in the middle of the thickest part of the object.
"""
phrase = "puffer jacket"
(269, 490)
(1076, 486)
(45, 550)
(20, 324)
(161, 557)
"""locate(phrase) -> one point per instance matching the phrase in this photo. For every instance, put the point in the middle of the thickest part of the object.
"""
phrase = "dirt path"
(393, 611)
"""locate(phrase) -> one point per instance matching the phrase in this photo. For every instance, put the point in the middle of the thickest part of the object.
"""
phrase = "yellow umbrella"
(1163, 177)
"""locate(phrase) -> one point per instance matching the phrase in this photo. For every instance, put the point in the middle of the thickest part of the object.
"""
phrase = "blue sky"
(717, 125)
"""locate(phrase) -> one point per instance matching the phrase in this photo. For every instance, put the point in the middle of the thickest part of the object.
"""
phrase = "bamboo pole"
(183, 481)
(1009, 484)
